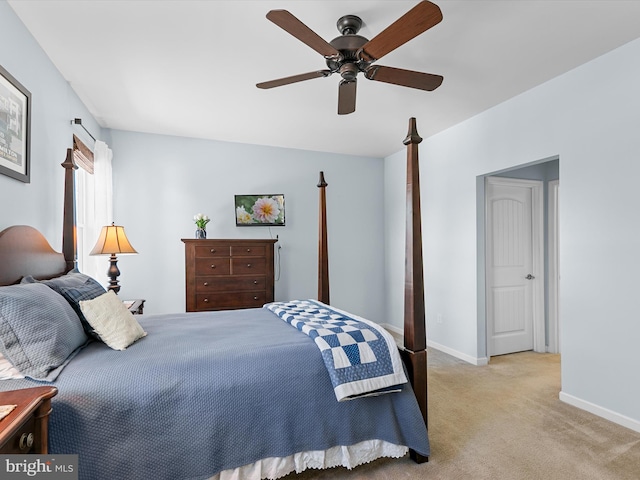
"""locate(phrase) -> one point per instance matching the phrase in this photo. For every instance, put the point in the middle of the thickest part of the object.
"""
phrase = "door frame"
(537, 246)
(553, 267)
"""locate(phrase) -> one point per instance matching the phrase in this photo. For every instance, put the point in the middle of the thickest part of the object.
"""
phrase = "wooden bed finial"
(323, 249)
(412, 136)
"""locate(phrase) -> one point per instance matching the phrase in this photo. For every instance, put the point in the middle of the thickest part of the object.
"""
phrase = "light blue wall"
(589, 118)
(160, 182)
(54, 104)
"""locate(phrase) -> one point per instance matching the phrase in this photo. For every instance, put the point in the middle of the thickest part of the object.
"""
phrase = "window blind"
(82, 155)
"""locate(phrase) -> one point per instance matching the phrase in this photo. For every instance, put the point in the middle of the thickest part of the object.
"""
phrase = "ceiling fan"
(350, 54)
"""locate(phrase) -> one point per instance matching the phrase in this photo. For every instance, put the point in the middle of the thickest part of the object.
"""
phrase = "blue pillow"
(39, 331)
(74, 287)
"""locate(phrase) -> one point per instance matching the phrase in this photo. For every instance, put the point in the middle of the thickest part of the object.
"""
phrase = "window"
(93, 203)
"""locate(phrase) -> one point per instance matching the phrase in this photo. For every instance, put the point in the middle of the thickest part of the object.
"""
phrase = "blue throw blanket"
(361, 357)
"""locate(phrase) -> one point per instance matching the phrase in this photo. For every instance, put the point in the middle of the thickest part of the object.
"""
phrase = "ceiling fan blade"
(346, 97)
(295, 27)
(405, 78)
(294, 78)
(417, 20)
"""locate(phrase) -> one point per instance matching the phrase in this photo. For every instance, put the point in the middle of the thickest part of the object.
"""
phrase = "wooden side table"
(25, 429)
(135, 306)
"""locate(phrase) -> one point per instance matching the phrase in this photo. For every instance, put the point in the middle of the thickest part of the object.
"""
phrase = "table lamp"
(112, 240)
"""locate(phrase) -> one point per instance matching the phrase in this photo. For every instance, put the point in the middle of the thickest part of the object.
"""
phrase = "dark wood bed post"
(415, 340)
(323, 249)
(69, 240)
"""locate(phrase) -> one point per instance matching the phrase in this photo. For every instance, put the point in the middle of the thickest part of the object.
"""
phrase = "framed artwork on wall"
(15, 128)
(259, 210)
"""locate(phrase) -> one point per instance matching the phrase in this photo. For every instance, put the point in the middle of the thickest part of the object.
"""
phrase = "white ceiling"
(189, 68)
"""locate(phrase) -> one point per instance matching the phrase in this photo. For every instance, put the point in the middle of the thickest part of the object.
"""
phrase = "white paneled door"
(514, 278)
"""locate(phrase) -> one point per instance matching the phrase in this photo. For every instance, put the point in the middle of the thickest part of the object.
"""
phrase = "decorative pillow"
(39, 331)
(112, 321)
(74, 287)
(7, 370)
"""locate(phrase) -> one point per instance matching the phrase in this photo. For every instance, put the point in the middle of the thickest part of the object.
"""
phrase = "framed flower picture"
(15, 119)
(259, 210)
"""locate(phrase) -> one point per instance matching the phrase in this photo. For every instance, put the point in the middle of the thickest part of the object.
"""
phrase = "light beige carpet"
(504, 421)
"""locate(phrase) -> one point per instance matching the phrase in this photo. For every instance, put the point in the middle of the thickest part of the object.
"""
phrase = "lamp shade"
(112, 240)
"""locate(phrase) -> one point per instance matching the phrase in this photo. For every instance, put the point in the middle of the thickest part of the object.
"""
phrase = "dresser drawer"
(248, 250)
(248, 265)
(213, 266)
(230, 284)
(212, 251)
(24, 440)
(221, 301)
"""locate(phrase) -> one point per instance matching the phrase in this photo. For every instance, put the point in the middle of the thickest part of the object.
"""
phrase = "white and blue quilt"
(361, 357)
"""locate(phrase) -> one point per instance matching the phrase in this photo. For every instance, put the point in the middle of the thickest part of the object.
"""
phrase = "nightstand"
(25, 429)
(135, 306)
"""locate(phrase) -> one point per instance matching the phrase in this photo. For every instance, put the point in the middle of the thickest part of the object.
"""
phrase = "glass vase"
(201, 233)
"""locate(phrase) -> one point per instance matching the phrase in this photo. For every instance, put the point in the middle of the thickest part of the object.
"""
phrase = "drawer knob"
(255, 298)
(206, 284)
(255, 282)
(206, 300)
(248, 249)
(248, 265)
(26, 441)
(213, 250)
(213, 266)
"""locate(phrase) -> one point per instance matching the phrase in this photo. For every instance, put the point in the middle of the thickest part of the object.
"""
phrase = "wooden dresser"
(224, 274)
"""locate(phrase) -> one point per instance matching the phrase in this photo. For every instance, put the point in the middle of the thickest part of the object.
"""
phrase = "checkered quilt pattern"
(361, 357)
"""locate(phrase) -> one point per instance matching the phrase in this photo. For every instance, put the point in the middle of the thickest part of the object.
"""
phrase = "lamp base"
(113, 274)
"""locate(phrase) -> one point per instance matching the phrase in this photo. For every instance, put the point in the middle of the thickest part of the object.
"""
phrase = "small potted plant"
(201, 222)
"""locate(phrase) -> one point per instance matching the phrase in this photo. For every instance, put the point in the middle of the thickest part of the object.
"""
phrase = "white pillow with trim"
(112, 321)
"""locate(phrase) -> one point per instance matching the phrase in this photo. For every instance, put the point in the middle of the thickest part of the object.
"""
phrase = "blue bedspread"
(205, 392)
(361, 358)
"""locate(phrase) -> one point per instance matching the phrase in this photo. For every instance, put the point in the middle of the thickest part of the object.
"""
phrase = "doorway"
(546, 330)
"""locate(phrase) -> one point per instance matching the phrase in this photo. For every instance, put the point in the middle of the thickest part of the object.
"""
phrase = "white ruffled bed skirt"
(349, 457)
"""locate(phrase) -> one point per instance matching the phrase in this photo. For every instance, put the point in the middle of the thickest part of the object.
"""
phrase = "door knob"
(529, 277)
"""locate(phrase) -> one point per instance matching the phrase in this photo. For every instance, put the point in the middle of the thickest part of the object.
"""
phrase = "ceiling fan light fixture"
(349, 71)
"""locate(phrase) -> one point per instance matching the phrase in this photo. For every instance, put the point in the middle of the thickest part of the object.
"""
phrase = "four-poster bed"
(248, 381)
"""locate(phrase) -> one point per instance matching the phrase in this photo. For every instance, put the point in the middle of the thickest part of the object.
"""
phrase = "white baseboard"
(449, 351)
(393, 329)
(462, 356)
(605, 413)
